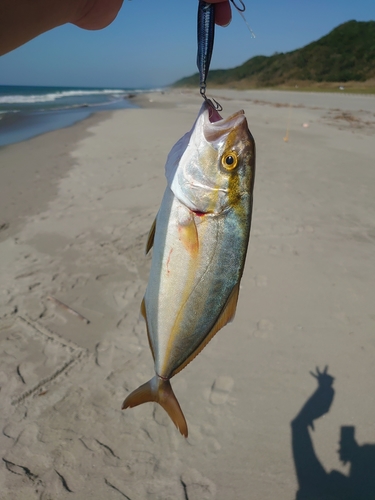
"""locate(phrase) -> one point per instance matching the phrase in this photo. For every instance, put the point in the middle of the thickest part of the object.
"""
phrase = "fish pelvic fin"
(226, 316)
(160, 391)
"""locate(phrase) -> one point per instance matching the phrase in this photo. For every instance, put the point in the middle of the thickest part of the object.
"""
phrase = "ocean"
(27, 111)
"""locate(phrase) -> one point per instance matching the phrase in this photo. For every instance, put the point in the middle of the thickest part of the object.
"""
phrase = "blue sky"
(153, 42)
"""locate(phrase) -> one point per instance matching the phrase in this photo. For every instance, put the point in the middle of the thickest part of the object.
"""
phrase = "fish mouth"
(215, 126)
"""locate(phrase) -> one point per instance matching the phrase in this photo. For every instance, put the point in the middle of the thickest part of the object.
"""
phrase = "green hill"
(346, 54)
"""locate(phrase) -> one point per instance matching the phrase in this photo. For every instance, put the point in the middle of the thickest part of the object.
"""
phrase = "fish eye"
(229, 160)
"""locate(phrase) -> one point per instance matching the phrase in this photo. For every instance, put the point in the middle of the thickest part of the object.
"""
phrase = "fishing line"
(241, 9)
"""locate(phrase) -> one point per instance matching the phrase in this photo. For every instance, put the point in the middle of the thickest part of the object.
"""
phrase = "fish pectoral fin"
(160, 391)
(144, 314)
(188, 234)
(226, 315)
(151, 236)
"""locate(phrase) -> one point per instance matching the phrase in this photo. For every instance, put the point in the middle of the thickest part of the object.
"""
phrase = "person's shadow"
(313, 480)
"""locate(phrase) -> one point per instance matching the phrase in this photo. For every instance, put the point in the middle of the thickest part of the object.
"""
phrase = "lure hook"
(241, 8)
(216, 104)
(212, 102)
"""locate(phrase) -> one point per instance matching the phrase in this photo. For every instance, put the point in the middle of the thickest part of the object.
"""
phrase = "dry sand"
(75, 209)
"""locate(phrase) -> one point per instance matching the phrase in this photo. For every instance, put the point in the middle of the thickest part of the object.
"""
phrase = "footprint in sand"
(221, 389)
(274, 250)
(104, 354)
(264, 327)
(261, 281)
(197, 487)
(28, 437)
(25, 371)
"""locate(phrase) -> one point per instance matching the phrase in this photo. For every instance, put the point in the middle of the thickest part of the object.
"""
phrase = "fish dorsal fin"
(226, 315)
(151, 236)
(144, 314)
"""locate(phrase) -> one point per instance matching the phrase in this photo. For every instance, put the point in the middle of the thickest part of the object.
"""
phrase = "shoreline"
(39, 180)
(29, 171)
(24, 125)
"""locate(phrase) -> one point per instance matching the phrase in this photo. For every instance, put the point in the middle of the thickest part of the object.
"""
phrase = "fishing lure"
(206, 36)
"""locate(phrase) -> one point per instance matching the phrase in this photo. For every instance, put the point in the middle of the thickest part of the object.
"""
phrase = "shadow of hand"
(320, 401)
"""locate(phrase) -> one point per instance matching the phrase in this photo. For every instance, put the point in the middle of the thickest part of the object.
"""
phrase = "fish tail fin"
(160, 391)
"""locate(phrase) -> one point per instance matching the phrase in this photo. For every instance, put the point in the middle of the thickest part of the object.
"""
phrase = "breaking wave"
(54, 96)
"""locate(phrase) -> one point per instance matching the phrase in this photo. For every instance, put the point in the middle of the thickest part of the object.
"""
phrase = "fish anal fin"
(229, 310)
(160, 391)
(226, 315)
(144, 314)
(151, 236)
(188, 234)
(143, 309)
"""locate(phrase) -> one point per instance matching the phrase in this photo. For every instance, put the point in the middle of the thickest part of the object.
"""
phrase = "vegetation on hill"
(346, 54)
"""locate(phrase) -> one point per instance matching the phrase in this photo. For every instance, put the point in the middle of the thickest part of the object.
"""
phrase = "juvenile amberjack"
(199, 239)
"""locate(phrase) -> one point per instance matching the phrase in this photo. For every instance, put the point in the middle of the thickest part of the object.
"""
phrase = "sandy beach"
(76, 206)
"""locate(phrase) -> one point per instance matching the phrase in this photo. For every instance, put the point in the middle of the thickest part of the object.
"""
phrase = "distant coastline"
(344, 59)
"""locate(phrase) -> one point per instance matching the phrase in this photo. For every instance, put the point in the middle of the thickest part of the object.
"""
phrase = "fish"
(199, 238)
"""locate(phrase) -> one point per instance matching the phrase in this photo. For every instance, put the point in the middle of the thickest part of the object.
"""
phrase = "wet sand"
(75, 209)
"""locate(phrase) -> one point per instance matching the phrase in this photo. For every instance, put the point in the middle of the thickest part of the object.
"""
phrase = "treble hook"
(216, 105)
(240, 9)
(212, 102)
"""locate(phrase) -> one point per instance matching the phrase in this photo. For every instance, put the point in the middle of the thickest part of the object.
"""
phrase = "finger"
(97, 14)
(313, 374)
(325, 370)
(223, 13)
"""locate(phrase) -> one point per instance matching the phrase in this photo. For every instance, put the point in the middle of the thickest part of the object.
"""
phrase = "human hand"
(95, 14)
(22, 20)
(223, 13)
